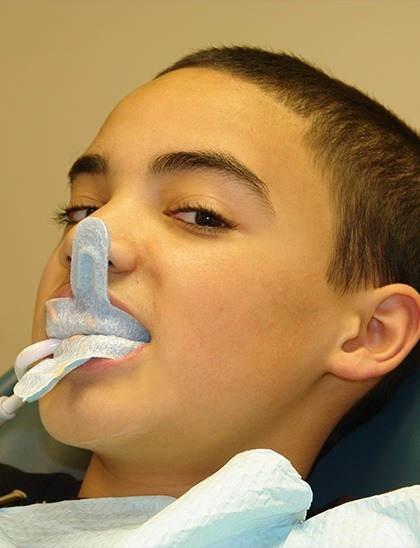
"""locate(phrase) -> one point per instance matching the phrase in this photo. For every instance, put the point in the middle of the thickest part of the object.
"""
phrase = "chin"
(55, 418)
(85, 423)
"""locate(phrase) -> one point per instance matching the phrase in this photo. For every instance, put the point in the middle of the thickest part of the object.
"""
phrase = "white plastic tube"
(24, 361)
(8, 407)
(32, 354)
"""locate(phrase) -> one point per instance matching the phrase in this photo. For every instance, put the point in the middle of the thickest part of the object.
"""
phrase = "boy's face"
(228, 280)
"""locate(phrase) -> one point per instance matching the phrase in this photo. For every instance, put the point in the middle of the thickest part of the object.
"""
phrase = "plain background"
(65, 63)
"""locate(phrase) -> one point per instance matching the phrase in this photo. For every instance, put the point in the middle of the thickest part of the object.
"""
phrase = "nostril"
(66, 262)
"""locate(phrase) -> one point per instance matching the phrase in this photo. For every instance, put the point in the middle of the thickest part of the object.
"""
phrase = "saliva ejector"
(9, 405)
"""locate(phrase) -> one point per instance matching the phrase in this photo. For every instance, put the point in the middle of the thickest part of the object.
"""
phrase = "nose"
(122, 253)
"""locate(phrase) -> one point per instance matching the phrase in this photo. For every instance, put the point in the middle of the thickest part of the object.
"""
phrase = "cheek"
(237, 330)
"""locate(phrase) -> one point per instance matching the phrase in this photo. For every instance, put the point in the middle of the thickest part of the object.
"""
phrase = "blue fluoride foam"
(88, 324)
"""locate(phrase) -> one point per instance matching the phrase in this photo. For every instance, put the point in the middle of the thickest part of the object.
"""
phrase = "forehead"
(198, 109)
(201, 108)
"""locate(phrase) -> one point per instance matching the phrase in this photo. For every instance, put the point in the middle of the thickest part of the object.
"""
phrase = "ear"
(377, 338)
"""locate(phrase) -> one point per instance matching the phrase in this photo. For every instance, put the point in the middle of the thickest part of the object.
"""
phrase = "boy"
(263, 220)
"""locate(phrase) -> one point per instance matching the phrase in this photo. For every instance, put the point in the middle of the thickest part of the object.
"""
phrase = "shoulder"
(387, 520)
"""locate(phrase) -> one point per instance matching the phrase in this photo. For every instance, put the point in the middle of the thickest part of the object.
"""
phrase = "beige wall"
(65, 63)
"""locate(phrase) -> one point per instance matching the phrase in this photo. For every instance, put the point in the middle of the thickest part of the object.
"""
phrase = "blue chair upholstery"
(380, 456)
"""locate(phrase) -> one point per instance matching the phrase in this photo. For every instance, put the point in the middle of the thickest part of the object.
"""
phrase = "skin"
(246, 333)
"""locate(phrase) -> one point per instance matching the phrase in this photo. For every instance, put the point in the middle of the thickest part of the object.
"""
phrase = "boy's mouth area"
(97, 365)
(75, 323)
(103, 351)
(97, 348)
(67, 318)
(85, 322)
(83, 316)
(94, 340)
(65, 291)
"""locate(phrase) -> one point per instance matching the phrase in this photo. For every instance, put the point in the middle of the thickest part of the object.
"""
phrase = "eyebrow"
(220, 162)
(173, 162)
(88, 163)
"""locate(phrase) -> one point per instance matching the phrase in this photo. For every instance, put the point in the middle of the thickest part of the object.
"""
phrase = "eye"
(201, 217)
(73, 215)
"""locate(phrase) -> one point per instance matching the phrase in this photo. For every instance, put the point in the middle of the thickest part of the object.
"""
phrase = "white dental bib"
(256, 500)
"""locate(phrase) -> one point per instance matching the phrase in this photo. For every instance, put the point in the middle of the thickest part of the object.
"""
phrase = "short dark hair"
(371, 162)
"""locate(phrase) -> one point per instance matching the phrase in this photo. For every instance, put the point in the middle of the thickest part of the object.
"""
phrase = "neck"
(298, 436)
(107, 478)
